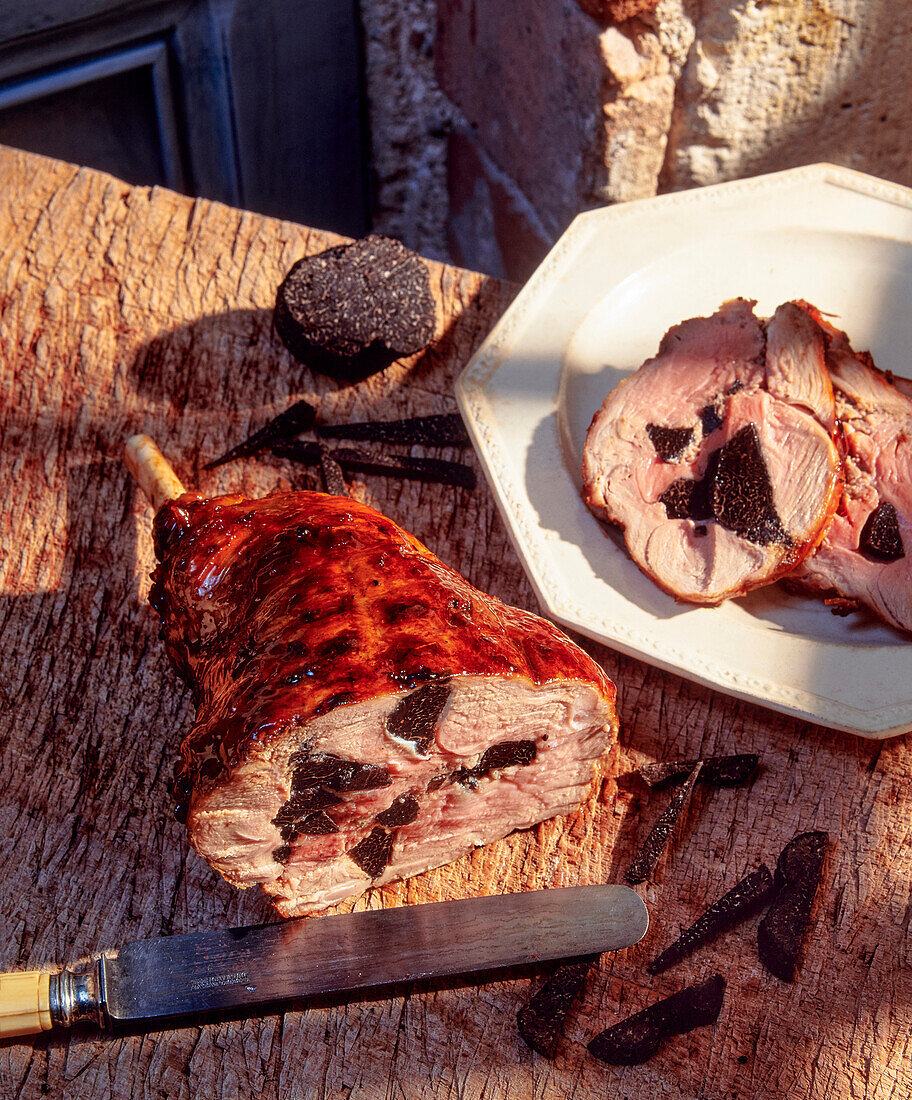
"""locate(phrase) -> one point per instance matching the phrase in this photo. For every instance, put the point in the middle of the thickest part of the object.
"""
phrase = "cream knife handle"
(25, 1004)
(32, 1002)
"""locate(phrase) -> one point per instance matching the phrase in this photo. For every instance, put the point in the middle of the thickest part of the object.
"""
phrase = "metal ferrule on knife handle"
(77, 995)
(31, 1001)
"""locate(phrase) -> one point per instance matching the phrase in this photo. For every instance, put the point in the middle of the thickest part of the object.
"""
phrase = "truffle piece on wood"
(782, 930)
(742, 901)
(718, 771)
(294, 420)
(637, 1038)
(352, 310)
(657, 841)
(406, 467)
(438, 470)
(438, 430)
(541, 1019)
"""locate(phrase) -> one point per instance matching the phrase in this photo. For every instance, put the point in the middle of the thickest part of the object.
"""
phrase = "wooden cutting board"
(123, 309)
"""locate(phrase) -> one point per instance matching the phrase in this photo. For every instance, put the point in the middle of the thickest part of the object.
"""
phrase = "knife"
(241, 967)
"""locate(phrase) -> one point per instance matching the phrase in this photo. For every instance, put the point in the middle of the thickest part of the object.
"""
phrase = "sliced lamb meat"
(866, 555)
(716, 457)
(364, 713)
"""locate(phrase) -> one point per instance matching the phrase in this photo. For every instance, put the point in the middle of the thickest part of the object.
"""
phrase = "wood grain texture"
(125, 309)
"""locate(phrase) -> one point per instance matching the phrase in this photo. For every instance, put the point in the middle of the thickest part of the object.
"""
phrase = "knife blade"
(240, 968)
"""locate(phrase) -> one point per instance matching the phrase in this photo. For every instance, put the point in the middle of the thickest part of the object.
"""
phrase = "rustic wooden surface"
(125, 309)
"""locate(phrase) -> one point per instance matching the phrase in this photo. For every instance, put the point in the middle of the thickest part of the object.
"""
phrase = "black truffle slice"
(505, 754)
(317, 824)
(402, 466)
(373, 853)
(687, 498)
(303, 803)
(742, 901)
(439, 430)
(742, 494)
(880, 536)
(405, 466)
(718, 771)
(735, 491)
(678, 499)
(352, 310)
(401, 812)
(415, 717)
(637, 1038)
(336, 774)
(782, 930)
(299, 418)
(541, 1019)
(352, 776)
(670, 443)
(656, 842)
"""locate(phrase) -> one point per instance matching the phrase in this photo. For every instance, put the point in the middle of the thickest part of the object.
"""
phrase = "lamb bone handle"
(151, 469)
(32, 1001)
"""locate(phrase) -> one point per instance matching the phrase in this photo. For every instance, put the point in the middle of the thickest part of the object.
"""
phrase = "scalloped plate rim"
(477, 383)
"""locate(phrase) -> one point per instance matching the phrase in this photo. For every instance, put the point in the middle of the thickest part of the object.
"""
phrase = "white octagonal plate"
(594, 311)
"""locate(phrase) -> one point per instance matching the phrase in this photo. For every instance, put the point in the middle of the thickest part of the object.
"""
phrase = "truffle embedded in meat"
(711, 418)
(735, 491)
(364, 714)
(863, 556)
(402, 812)
(748, 494)
(352, 310)
(742, 494)
(670, 443)
(415, 717)
(880, 536)
(439, 470)
(373, 853)
(682, 500)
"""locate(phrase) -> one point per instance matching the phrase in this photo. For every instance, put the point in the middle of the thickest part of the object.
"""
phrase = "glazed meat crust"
(303, 624)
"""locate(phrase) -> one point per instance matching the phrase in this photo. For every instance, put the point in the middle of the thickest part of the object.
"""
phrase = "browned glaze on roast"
(280, 609)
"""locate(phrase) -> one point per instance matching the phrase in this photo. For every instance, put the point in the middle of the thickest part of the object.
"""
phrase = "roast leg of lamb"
(717, 456)
(363, 712)
(866, 555)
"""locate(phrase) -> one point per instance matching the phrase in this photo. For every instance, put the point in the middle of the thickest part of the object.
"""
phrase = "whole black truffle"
(352, 310)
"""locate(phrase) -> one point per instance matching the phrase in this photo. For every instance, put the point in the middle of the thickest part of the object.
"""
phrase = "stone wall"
(494, 122)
